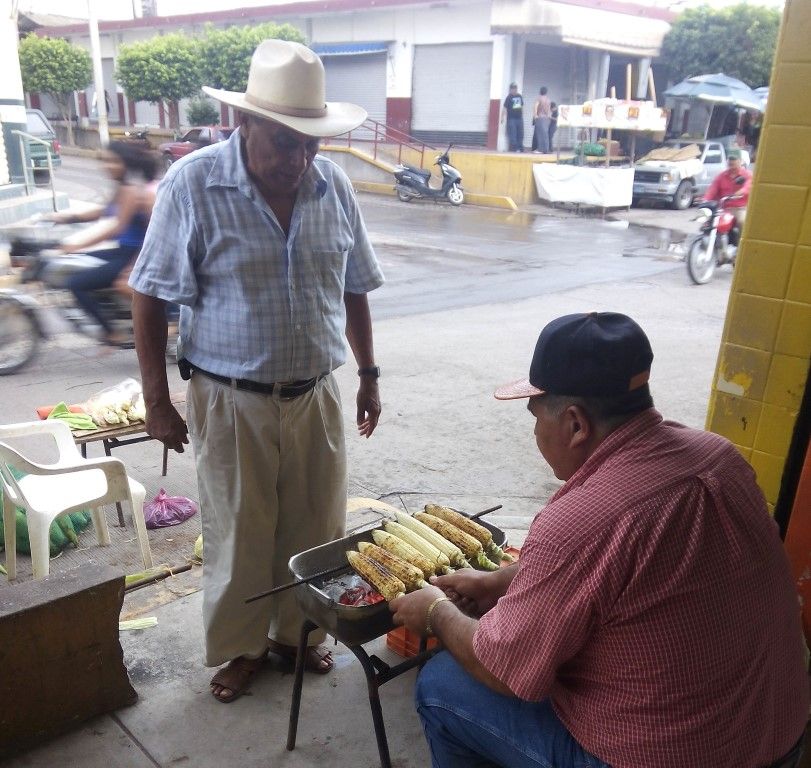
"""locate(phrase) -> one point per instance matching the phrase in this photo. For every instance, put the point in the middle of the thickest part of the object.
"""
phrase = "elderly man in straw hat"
(261, 242)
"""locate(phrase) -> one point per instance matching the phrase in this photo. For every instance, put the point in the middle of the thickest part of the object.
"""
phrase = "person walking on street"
(652, 619)
(261, 242)
(513, 114)
(542, 114)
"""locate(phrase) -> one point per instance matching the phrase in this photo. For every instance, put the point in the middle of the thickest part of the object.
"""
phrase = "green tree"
(226, 53)
(201, 111)
(739, 41)
(56, 67)
(164, 70)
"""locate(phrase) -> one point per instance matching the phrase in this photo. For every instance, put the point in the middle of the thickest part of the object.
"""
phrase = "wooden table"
(117, 435)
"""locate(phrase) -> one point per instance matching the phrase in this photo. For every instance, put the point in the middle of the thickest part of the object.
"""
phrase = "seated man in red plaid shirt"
(652, 621)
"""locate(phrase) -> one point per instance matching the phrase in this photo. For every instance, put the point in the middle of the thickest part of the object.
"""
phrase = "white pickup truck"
(679, 171)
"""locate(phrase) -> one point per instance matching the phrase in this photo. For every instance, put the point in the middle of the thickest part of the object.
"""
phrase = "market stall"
(600, 187)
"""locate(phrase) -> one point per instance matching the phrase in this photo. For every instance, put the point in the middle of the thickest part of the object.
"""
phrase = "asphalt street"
(467, 292)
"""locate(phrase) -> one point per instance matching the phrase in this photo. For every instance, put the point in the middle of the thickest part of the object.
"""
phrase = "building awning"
(602, 26)
(350, 49)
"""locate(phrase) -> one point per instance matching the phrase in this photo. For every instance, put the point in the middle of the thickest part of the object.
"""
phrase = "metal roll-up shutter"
(359, 79)
(451, 92)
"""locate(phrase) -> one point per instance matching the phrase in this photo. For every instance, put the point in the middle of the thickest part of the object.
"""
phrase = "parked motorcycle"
(716, 245)
(413, 182)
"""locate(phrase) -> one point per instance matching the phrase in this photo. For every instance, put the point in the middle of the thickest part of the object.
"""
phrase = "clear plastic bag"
(165, 510)
(117, 406)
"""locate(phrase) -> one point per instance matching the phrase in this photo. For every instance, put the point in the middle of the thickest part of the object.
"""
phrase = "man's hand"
(164, 423)
(368, 406)
(411, 610)
(473, 592)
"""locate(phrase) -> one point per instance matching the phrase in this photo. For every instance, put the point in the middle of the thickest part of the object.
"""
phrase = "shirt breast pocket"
(329, 266)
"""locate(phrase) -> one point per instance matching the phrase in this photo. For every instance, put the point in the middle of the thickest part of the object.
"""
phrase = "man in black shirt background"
(513, 113)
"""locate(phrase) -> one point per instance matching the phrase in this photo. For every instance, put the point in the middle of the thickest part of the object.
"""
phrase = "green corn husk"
(143, 623)
(57, 540)
(66, 526)
(198, 548)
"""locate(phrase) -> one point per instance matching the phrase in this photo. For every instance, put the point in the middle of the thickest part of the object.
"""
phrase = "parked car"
(191, 140)
(37, 125)
(679, 182)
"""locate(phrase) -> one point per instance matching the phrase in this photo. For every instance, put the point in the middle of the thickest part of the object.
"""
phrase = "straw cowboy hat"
(286, 85)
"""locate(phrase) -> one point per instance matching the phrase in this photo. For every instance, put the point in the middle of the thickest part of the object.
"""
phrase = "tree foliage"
(201, 111)
(738, 40)
(226, 53)
(163, 69)
(54, 66)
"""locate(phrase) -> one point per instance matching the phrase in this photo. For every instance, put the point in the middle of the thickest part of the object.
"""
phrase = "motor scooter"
(716, 245)
(22, 315)
(413, 182)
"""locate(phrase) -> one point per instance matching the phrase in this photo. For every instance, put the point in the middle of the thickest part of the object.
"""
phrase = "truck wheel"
(684, 196)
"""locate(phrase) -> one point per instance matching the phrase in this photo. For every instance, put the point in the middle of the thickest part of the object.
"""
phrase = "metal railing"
(383, 137)
(23, 154)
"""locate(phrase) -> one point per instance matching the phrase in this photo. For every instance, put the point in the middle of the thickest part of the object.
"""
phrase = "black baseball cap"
(594, 354)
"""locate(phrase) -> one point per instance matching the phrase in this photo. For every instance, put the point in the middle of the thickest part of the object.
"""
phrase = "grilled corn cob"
(471, 547)
(420, 544)
(491, 549)
(403, 550)
(450, 550)
(379, 577)
(409, 574)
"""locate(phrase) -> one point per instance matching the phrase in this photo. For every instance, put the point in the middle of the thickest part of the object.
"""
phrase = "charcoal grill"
(352, 626)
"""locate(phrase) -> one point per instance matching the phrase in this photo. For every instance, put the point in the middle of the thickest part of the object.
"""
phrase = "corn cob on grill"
(470, 546)
(420, 544)
(471, 527)
(379, 577)
(409, 574)
(405, 551)
(450, 550)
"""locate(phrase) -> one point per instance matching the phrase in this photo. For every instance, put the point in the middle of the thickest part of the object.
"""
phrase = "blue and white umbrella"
(718, 89)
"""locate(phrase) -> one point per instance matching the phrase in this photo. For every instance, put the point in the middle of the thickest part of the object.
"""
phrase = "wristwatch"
(373, 371)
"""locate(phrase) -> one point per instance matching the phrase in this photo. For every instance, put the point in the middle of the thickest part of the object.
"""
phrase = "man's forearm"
(456, 631)
(150, 327)
(359, 328)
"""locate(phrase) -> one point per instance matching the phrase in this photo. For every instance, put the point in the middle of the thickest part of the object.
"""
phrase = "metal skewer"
(305, 580)
(485, 512)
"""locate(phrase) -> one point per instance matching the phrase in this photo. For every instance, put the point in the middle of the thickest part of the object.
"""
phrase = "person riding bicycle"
(734, 182)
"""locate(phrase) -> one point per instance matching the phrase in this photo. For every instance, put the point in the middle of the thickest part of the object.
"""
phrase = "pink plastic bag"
(165, 510)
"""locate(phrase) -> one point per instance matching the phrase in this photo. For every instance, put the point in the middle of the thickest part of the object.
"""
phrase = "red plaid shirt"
(655, 606)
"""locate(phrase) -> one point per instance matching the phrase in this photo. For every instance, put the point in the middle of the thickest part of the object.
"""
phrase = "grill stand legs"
(377, 672)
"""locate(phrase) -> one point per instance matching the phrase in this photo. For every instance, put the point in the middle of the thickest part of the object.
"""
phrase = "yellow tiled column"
(763, 364)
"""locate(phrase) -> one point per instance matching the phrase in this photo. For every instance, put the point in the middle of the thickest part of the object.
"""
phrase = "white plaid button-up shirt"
(256, 304)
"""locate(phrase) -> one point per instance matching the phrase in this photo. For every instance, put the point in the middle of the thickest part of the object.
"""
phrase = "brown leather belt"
(286, 390)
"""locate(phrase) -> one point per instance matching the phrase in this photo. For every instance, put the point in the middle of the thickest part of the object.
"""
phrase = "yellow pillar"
(763, 364)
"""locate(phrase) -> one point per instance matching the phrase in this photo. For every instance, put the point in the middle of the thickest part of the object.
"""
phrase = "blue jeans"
(468, 725)
(515, 135)
(86, 282)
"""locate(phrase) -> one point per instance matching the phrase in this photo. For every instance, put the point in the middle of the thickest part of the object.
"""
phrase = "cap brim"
(516, 390)
(340, 118)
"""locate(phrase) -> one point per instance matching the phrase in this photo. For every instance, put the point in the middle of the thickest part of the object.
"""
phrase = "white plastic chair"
(71, 483)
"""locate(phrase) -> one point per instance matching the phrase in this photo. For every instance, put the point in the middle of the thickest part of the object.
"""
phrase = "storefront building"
(438, 71)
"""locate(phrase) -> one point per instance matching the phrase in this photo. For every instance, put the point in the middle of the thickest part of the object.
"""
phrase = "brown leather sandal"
(236, 676)
(318, 658)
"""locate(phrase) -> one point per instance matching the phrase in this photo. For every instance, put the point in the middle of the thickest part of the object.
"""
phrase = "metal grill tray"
(352, 625)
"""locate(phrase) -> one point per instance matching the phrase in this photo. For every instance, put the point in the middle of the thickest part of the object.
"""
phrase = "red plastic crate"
(405, 643)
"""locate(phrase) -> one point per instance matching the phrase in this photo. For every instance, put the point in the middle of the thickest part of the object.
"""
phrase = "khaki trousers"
(272, 482)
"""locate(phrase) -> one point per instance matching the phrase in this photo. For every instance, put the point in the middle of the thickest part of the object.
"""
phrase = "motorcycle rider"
(133, 169)
(734, 182)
